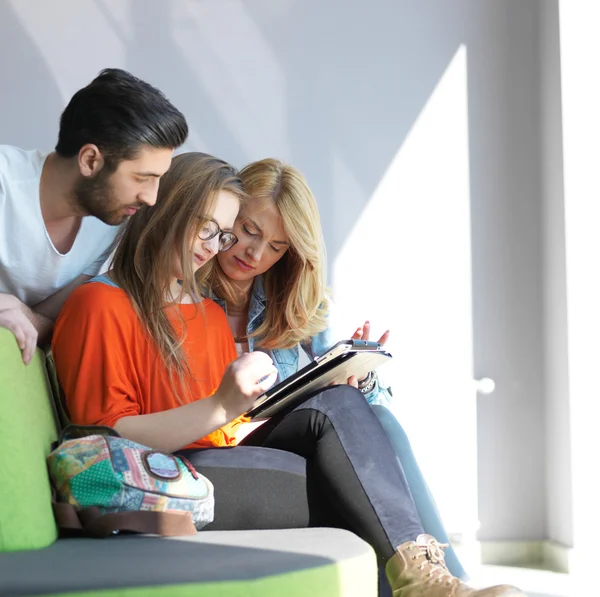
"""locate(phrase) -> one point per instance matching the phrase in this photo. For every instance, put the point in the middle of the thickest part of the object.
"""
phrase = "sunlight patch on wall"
(406, 265)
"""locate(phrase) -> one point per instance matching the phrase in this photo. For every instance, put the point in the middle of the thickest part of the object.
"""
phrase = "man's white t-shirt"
(30, 266)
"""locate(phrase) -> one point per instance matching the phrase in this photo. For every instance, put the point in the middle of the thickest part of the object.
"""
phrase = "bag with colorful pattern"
(105, 484)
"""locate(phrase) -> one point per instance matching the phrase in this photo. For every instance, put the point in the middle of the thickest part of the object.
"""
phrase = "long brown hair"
(155, 236)
(295, 286)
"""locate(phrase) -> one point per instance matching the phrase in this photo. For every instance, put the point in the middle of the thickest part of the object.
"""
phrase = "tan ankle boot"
(418, 569)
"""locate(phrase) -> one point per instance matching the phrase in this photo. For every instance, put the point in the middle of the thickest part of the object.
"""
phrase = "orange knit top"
(109, 367)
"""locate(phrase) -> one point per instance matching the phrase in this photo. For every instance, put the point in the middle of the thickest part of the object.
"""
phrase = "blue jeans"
(424, 502)
(327, 462)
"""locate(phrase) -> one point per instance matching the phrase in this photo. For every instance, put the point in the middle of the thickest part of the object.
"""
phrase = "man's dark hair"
(120, 114)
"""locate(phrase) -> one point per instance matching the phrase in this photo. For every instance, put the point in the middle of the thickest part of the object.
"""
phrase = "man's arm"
(32, 326)
(50, 307)
(44, 314)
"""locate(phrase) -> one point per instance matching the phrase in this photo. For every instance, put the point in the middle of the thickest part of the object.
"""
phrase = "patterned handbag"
(105, 484)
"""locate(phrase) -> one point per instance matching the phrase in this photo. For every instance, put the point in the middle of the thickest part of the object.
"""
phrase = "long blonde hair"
(155, 236)
(295, 287)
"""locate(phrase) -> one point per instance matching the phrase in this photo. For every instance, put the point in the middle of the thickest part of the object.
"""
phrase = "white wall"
(335, 87)
(580, 99)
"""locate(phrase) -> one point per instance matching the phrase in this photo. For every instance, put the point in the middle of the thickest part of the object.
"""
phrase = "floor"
(534, 583)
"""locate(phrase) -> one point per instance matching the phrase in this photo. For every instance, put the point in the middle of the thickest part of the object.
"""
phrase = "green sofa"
(33, 561)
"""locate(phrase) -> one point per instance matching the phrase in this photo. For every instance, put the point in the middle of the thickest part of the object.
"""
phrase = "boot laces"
(432, 559)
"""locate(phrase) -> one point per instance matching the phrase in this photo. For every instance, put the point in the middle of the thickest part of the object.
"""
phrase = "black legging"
(328, 462)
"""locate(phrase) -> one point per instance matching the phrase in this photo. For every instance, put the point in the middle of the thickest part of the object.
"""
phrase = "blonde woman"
(140, 350)
(272, 287)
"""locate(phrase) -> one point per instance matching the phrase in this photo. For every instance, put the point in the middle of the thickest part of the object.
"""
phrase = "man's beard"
(95, 196)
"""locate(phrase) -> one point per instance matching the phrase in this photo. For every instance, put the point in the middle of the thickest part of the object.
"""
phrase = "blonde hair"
(143, 262)
(295, 286)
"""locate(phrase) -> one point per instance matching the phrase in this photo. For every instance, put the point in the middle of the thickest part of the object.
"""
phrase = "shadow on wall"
(270, 80)
(30, 98)
(279, 82)
(160, 43)
(350, 112)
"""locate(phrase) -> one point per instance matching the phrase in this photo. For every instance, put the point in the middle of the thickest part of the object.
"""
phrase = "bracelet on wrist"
(367, 384)
(365, 381)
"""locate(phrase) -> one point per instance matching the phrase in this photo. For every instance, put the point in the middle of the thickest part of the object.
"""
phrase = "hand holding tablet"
(342, 361)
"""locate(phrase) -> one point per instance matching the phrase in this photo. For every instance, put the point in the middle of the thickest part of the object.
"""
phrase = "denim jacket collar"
(257, 306)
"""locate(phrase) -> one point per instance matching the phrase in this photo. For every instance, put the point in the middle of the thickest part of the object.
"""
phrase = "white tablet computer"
(341, 361)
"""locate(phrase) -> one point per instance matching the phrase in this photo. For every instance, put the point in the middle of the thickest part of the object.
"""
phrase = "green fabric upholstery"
(332, 580)
(27, 429)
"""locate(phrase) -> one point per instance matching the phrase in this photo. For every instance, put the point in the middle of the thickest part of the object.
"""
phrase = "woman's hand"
(362, 333)
(173, 429)
(352, 381)
(245, 379)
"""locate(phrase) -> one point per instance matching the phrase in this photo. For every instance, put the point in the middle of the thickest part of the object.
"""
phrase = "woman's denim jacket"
(287, 359)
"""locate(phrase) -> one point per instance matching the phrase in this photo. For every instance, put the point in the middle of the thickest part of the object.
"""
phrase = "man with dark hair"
(60, 212)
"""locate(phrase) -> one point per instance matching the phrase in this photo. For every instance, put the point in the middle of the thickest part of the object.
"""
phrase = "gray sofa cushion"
(77, 565)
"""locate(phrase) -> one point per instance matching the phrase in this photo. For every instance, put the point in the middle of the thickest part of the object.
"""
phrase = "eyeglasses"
(211, 229)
